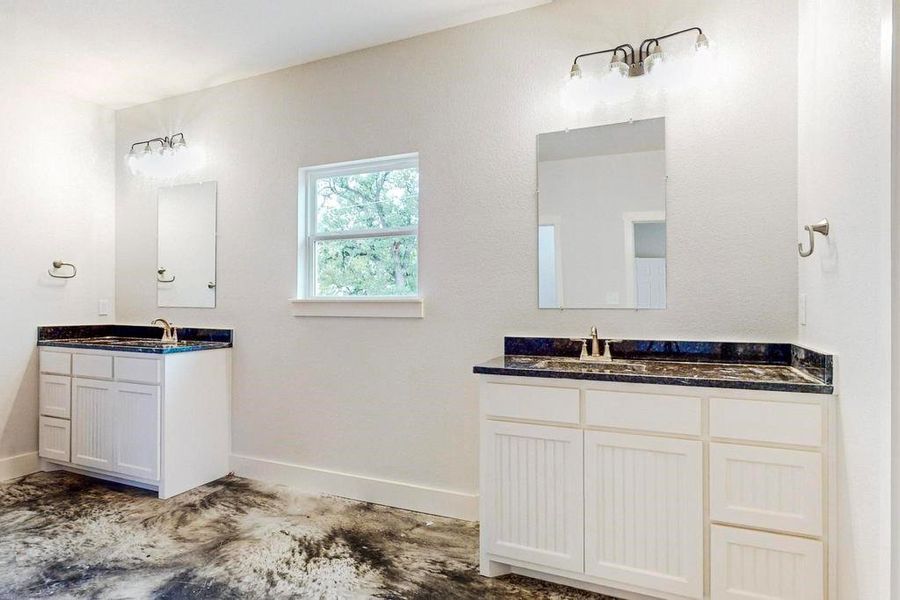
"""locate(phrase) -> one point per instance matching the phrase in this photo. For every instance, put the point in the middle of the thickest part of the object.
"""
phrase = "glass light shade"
(656, 58)
(579, 93)
(619, 67)
(702, 43)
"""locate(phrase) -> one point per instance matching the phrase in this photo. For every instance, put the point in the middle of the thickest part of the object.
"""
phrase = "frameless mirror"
(186, 251)
(602, 217)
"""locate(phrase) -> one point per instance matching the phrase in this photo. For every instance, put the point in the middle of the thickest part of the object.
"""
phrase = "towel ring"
(159, 273)
(821, 227)
(58, 264)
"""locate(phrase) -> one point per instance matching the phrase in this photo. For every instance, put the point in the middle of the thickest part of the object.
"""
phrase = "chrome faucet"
(170, 333)
(595, 355)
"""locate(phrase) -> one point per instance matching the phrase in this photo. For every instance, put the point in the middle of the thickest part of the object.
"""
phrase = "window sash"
(312, 175)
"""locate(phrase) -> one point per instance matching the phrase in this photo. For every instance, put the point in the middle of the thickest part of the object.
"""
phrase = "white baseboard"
(19, 465)
(434, 501)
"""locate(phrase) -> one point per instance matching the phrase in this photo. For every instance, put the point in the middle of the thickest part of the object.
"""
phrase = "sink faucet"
(595, 355)
(170, 334)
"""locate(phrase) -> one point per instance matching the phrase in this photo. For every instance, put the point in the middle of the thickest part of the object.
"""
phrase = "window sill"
(390, 308)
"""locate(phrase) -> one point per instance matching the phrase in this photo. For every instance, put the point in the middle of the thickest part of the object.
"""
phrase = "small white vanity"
(669, 491)
(122, 406)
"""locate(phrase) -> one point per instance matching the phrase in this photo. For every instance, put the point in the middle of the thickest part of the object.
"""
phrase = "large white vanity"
(128, 408)
(669, 491)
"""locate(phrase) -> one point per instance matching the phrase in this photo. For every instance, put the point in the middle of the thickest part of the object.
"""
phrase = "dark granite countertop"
(133, 338)
(773, 367)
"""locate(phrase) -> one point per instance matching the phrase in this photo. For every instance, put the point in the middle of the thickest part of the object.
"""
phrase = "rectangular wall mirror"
(186, 251)
(602, 217)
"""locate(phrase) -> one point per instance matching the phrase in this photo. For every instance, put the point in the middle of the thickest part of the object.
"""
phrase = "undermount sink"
(616, 366)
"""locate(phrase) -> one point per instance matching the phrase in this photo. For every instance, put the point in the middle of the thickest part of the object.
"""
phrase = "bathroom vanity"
(678, 470)
(118, 403)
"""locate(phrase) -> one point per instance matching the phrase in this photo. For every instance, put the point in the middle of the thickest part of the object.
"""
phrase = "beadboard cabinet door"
(534, 493)
(644, 511)
(93, 423)
(137, 430)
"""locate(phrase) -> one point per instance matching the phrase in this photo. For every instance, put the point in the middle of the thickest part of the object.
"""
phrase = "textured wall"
(57, 196)
(396, 399)
(844, 175)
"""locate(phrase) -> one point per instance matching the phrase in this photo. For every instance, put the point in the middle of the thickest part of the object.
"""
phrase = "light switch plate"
(103, 307)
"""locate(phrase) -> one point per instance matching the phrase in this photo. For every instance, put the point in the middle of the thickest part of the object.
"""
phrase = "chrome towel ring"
(58, 264)
(160, 272)
(821, 227)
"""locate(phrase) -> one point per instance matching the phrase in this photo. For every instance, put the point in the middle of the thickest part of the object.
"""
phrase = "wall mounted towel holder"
(58, 264)
(820, 227)
(160, 272)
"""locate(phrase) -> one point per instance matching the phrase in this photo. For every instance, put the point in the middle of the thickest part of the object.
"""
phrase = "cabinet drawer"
(138, 370)
(751, 565)
(55, 396)
(770, 488)
(535, 403)
(94, 366)
(53, 438)
(761, 421)
(59, 363)
(646, 412)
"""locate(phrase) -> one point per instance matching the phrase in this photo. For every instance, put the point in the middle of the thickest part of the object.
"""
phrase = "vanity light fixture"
(162, 157)
(625, 63)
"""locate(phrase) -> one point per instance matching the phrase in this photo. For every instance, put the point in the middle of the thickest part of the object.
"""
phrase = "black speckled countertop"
(773, 367)
(133, 338)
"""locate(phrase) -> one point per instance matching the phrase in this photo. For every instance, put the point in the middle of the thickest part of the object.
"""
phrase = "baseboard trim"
(435, 501)
(20, 465)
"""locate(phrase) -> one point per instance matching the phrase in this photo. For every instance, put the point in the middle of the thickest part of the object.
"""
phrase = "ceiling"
(124, 52)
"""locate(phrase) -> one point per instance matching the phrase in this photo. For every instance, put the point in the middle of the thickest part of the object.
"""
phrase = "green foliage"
(374, 266)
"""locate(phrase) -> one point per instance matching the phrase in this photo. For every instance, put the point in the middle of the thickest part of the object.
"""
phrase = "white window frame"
(308, 303)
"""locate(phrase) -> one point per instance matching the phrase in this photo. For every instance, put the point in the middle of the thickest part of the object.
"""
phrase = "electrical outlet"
(103, 307)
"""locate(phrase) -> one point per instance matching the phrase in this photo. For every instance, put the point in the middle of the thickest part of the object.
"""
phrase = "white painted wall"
(844, 175)
(587, 198)
(396, 399)
(57, 199)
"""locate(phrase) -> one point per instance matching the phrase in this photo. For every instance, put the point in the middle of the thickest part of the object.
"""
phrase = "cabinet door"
(137, 430)
(53, 439)
(532, 480)
(93, 423)
(55, 396)
(644, 511)
(752, 565)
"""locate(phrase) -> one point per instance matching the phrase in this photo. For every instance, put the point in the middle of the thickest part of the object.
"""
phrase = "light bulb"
(579, 92)
(148, 151)
(131, 161)
(179, 145)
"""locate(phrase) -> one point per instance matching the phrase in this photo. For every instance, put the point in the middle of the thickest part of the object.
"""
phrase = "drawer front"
(55, 396)
(93, 366)
(645, 412)
(54, 438)
(138, 370)
(752, 565)
(58, 363)
(761, 421)
(770, 488)
(534, 403)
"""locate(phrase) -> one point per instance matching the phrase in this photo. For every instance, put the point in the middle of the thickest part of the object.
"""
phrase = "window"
(360, 230)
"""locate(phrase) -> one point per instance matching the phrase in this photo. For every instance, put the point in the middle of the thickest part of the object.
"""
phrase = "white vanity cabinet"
(652, 491)
(159, 421)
